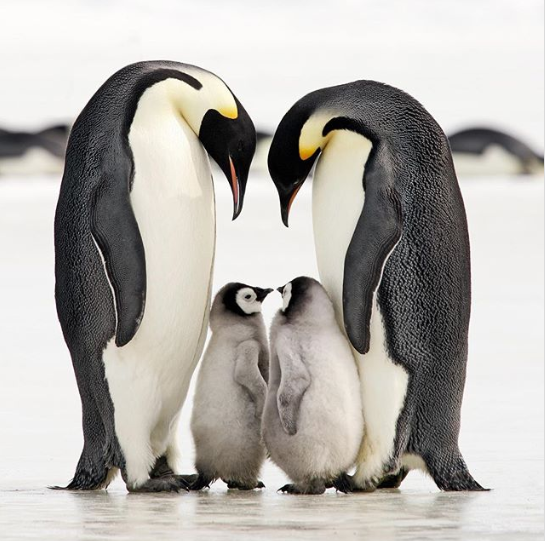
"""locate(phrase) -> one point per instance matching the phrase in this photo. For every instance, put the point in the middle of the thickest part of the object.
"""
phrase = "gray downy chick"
(231, 389)
(312, 424)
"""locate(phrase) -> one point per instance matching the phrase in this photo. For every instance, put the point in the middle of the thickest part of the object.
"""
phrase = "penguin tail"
(450, 472)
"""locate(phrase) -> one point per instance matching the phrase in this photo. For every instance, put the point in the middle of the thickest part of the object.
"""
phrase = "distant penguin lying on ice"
(231, 390)
(312, 423)
(135, 237)
(33, 153)
(484, 151)
(476, 152)
(263, 142)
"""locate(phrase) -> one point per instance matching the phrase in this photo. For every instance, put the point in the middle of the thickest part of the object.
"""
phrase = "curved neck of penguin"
(312, 136)
(177, 97)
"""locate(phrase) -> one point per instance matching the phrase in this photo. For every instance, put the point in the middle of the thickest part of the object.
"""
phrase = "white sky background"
(468, 61)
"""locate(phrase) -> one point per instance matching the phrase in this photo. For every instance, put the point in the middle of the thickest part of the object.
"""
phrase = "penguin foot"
(342, 483)
(185, 481)
(200, 482)
(235, 485)
(161, 468)
(188, 478)
(393, 480)
(346, 483)
(289, 489)
(314, 488)
(161, 484)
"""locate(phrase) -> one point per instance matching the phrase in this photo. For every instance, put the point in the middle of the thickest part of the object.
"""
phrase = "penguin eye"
(247, 297)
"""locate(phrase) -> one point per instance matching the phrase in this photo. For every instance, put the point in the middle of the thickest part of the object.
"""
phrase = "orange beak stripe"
(292, 197)
(234, 183)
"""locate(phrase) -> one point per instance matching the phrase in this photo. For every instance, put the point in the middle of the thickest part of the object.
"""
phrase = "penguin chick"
(231, 390)
(312, 424)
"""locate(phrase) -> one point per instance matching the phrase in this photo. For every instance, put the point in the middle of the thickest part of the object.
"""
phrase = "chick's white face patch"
(247, 301)
(286, 295)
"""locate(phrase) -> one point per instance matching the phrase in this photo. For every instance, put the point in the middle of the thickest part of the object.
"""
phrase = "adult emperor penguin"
(134, 251)
(392, 250)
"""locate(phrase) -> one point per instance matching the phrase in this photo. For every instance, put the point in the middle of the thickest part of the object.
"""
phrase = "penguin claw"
(345, 483)
(200, 482)
(311, 489)
(393, 480)
(183, 481)
(234, 485)
(160, 484)
(289, 489)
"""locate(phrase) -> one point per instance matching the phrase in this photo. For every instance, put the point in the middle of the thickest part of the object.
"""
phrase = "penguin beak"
(261, 294)
(237, 189)
(280, 289)
(286, 202)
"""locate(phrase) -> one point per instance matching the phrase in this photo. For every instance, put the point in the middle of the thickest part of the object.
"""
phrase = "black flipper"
(116, 232)
(376, 234)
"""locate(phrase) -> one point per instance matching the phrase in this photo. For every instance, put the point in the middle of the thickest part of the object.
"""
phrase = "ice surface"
(502, 430)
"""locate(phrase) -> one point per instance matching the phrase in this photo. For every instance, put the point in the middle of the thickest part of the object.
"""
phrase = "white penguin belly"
(173, 202)
(338, 200)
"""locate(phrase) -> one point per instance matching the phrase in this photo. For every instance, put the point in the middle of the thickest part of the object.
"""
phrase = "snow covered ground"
(469, 62)
(502, 430)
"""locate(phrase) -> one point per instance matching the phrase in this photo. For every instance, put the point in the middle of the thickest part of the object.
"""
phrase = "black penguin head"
(304, 132)
(230, 139)
(290, 160)
(242, 299)
(296, 294)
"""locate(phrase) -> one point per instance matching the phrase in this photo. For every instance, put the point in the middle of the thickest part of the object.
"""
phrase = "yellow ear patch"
(311, 137)
(307, 152)
(229, 111)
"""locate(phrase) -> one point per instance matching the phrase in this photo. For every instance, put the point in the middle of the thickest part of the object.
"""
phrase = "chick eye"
(247, 297)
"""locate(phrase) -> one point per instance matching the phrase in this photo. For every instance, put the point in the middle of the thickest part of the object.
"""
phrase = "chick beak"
(261, 294)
